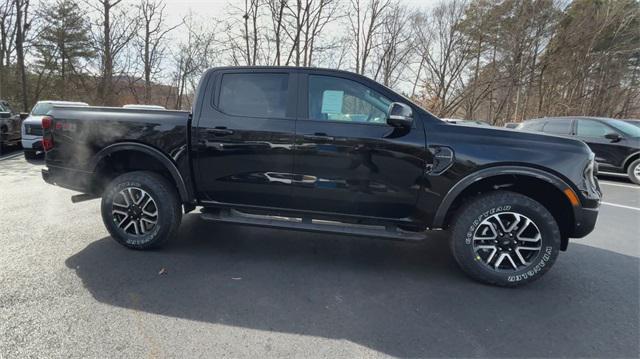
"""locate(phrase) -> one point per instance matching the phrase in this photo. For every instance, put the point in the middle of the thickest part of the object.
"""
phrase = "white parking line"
(620, 205)
(10, 156)
(619, 184)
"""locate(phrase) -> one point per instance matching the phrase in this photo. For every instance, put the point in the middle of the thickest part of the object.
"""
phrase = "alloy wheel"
(507, 241)
(134, 211)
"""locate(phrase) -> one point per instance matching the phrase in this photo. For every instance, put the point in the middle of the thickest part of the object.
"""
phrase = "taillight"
(47, 122)
(47, 136)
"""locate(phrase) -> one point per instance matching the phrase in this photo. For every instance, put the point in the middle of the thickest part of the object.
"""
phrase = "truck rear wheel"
(141, 210)
(505, 238)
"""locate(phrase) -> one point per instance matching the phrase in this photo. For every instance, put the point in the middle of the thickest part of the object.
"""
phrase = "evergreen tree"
(65, 41)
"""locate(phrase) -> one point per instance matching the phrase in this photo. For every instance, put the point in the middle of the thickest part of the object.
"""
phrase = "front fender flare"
(185, 195)
(458, 188)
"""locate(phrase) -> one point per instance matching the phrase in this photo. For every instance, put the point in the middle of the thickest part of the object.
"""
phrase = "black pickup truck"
(328, 151)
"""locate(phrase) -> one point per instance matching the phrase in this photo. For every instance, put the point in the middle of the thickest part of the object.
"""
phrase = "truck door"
(244, 138)
(348, 160)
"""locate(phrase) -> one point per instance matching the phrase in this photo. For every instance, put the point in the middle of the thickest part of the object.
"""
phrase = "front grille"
(35, 130)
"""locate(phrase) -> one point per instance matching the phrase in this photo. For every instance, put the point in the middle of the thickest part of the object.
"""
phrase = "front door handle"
(318, 137)
(219, 131)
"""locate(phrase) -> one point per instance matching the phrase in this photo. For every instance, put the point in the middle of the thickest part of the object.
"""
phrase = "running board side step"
(311, 225)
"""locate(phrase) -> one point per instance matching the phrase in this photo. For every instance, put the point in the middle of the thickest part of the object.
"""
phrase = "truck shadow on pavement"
(401, 299)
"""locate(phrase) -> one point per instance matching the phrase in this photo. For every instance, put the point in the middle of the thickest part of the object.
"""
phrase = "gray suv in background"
(616, 143)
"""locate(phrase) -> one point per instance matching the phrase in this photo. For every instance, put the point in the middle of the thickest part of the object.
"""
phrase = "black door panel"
(357, 169)
(247, 159)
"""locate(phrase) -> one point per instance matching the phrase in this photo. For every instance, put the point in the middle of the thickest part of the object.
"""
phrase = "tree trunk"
(147, 65)
(22, 72)
(105, 87)
(63, 87)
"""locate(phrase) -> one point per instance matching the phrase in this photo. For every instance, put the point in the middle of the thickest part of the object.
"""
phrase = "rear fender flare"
(183, 190)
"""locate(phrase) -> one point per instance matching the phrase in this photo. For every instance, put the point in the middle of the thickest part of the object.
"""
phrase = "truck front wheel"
(505, 238)
(141, 210)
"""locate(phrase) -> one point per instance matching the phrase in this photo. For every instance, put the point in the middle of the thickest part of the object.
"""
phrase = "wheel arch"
(632, 157)
(103, 161)
(541, 185)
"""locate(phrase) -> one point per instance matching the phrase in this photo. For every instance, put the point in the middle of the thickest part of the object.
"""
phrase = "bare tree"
(396, 46)
(116, 30)
(250, 17)
(7, 41)
(365, 20)
(276, 9)
(150, 41)
(199, 51)
(445, 52)
(22, 25)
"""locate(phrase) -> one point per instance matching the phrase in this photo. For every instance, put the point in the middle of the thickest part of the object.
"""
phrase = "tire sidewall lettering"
(546, 256)
(476, 222)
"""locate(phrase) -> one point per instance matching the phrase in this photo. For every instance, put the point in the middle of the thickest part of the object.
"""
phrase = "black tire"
(633, 171)
(164, 200)
(30, 154)
(480, 214)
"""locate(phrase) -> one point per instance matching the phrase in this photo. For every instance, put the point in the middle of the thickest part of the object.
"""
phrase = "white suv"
(32, 126)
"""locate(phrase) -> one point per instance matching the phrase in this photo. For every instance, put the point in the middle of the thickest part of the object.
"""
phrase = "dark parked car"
(616, 143)
(10, 122)
(327, 151)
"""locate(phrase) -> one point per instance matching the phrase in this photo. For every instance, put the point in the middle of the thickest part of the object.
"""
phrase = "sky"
(177, 9)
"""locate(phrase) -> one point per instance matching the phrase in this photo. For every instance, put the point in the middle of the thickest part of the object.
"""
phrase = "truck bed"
(81, 133)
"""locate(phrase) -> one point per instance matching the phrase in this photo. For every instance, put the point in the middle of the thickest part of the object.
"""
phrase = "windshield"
(41, 109)
(626, 128)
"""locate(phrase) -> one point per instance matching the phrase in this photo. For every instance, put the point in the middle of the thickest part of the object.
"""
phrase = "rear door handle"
(318, 137)
(219, 132)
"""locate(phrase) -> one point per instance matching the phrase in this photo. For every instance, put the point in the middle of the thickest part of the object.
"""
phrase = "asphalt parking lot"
(68, 290)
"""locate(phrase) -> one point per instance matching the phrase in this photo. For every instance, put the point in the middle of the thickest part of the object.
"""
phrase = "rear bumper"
(75, 180)
(32, 143)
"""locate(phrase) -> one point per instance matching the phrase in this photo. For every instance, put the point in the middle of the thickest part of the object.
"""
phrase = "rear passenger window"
(254, 95)
(558, 127)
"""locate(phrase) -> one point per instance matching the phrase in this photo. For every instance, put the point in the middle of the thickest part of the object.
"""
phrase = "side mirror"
(400, 115)
(614, 137)
(5, 114)
(24, 115)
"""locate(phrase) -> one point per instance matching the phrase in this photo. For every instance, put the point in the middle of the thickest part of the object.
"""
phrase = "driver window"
(338, 99)
(588, 128)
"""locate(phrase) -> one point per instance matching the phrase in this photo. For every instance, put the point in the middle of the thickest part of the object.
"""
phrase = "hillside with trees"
(493, 60)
